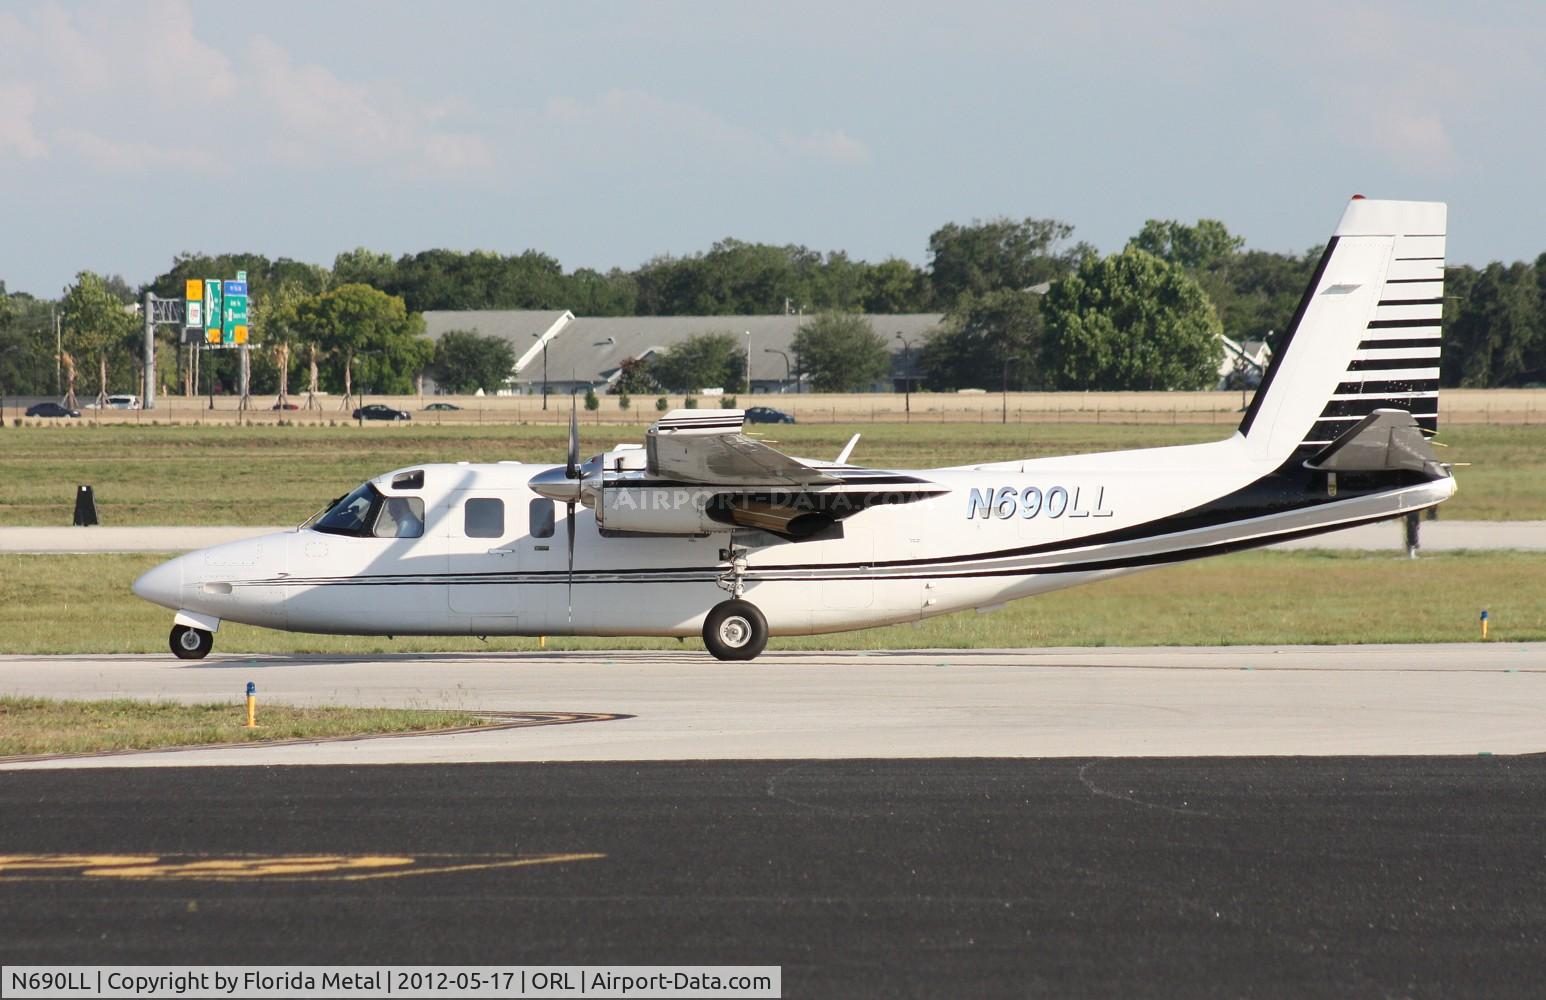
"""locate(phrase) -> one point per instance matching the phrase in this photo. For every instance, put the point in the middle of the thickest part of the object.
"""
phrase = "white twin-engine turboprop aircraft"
(703, 530)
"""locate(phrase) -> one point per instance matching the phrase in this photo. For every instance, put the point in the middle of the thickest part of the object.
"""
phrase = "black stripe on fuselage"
(1365, 405)
(859, 571)
(1402, 324)
(1412, 302)
(1396, 343)
(1391, 364)
(1388, 386)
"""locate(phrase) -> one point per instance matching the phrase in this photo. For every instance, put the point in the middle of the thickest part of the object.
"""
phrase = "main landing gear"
(735, 630)
(191, 643)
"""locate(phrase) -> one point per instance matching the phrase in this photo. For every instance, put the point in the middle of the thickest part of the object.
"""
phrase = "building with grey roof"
(588, 351)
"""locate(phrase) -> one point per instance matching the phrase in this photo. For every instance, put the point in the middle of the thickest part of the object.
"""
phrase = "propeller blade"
(572, 469)
(569, 528)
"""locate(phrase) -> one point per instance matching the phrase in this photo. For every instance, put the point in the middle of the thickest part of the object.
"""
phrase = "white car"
(122, 402)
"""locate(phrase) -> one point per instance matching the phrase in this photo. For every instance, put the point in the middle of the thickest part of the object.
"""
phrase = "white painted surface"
(1441, 699)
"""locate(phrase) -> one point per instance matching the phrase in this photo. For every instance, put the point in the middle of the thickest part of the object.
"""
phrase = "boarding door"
(486, 529)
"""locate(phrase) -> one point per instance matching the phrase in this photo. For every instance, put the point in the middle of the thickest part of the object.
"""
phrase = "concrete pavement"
(61, 541)
(1087, 702)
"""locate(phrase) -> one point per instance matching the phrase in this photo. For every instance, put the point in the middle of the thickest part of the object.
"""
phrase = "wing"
(707, 446)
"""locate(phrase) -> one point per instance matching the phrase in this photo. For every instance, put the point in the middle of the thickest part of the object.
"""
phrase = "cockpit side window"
(352, 514)
(540, 518)
(400, 517)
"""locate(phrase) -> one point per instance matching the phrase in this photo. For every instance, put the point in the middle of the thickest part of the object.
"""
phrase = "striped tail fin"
(1365, 336)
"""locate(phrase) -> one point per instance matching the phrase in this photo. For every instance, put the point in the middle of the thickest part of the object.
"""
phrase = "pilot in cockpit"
(399, 519)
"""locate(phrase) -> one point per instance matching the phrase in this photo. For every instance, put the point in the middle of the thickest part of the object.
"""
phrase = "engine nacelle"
(657, 510)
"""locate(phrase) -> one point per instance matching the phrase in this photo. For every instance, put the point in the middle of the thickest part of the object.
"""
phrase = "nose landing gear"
(191, 643)
(735, 630)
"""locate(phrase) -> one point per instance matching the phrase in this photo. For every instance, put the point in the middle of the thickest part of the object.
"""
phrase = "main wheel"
(735, 630)
(191, 643)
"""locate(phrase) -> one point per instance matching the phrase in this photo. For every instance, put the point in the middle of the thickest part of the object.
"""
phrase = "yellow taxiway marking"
(280, 867)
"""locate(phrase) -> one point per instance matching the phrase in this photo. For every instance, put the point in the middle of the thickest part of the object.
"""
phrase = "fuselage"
(472, 550)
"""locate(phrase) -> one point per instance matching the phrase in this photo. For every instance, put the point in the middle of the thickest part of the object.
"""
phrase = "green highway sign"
(234, 314)
(214, 316)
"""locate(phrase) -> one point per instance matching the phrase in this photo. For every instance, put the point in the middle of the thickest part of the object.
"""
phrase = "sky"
(608, 134)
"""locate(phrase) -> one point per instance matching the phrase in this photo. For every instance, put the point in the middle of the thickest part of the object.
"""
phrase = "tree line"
(1025, 306)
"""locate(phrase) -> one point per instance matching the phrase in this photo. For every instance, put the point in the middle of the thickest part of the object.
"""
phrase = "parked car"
(441, 407)
(119, 402)
(51, 410)
(381, 411)
(767, 415)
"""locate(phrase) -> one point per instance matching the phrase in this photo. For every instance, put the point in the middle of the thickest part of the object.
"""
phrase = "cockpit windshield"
(367, 513)
(351, 515)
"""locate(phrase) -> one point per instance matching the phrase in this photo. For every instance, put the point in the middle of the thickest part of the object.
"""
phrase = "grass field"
(42, 726)
(146, 475)
(80, 604)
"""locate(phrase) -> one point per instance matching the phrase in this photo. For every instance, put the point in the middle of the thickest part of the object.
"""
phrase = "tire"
(735, 630)
(191, 643)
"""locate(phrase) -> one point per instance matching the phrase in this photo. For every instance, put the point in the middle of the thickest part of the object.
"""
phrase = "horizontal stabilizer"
(1384, 440)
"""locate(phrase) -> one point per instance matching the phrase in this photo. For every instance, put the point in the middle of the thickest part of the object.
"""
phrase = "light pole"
(544, 370)
(748, 362)
(774, 350)
(907, 375)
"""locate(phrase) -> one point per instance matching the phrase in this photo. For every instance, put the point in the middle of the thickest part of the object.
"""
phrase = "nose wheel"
(191, 643)
(735, 630)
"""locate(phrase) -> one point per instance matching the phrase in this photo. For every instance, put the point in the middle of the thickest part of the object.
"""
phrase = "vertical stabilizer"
(1365, 336)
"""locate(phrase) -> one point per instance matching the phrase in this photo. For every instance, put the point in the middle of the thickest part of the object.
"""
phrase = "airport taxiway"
(1077, 702)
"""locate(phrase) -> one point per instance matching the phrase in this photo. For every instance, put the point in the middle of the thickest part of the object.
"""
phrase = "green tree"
(466, 361)
(989, 340)
(1130, 321)
(634, 376)
(372, 334)
(592, 403)
(895, 286)
(26, 345)
(1495, 333)
(96, 326)
(1193, 247)
(841, 352)
(999, 253)
(702, 361)
(365, 267)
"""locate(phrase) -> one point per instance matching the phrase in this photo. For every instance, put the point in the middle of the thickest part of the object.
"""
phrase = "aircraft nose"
(162, 585)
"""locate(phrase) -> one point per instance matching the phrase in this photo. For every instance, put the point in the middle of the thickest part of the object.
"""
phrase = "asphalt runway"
(1263, 821)
(1188, 877)
(1464, 698)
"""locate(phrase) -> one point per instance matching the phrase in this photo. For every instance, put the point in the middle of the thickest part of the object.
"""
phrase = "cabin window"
(400, 517)
(541, 518)
(485, 518)
(409, 480)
